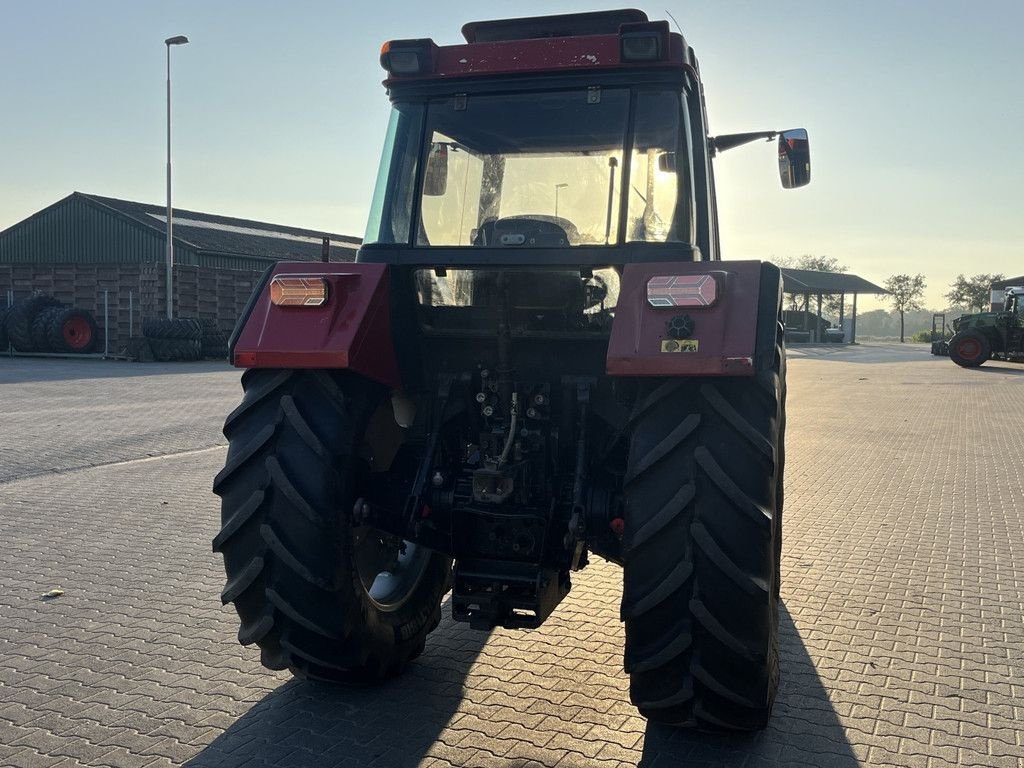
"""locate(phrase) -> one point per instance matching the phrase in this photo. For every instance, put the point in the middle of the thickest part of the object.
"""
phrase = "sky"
(914, 111)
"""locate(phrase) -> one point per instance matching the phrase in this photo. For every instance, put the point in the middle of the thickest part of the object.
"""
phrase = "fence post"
(106, 323)
(10, 303)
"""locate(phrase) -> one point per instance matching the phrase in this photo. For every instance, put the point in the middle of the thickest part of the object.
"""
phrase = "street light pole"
(178, 40)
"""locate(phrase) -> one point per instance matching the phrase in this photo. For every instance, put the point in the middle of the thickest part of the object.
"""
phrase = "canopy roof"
(1008, 282)
(811, 281)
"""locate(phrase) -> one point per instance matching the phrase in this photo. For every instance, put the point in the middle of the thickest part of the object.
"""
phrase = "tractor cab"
(1013, 305)
(523, 169)
(584, 133)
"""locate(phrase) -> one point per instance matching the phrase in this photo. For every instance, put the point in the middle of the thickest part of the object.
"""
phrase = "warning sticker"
(680, 345)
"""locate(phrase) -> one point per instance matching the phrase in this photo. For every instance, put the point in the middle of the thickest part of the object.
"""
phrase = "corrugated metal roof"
(811, 281)
(1009, 281)
(83, 228)
(77, 230)
(227, 235)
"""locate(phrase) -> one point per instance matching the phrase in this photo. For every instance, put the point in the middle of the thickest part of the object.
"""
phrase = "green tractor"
(990, 335)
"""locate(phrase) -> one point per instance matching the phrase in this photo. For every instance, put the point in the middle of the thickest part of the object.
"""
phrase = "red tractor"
(536, 357)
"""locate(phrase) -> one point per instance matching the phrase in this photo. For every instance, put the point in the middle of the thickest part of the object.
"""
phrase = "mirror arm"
(730, 140)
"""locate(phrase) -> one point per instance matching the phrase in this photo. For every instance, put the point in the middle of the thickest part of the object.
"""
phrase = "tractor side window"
(661, 181)
(452, 191)
(391, 207)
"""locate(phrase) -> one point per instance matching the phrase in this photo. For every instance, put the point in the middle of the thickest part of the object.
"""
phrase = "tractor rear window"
(536, 170)
(539, 169)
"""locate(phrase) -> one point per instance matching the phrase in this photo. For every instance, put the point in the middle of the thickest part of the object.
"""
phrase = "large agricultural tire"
(41, 329)
(291, 551)
(72, 330)
(701, 549)
(23, 313)
(780, 478)
(970, 348)
(215, 341)
(4, 341)
(175, 350)
(178, 328)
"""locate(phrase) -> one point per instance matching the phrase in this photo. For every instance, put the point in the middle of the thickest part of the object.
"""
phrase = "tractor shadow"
(22, 370)
(312, 725)
(308, 725)
(804, 730)
(999, 367)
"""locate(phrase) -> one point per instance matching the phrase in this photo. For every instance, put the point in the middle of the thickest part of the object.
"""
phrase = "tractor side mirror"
(667, 162)
(794, 158)
(435, 174)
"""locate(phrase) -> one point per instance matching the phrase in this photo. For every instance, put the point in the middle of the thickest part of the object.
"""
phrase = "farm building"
(100, 252)
(998, 291)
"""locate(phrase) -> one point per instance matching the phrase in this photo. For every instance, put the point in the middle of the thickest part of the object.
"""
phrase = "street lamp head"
(176, 40)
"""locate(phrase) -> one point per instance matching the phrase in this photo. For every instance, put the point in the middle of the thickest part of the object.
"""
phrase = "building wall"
(133, 292)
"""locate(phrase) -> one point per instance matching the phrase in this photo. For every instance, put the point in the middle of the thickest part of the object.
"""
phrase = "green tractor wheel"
(970, 348)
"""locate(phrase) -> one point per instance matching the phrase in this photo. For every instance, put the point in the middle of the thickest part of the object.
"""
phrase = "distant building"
(93, 251)
(806, 323)
(999, 287)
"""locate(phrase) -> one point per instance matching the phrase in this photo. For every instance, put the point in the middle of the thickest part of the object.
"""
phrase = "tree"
(905, 293)
(972, 292)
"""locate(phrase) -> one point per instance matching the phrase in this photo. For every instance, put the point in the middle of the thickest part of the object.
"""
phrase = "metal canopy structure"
(808, 282)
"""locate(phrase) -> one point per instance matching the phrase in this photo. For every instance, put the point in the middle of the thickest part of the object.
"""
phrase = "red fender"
(351, 330)
(721, 319)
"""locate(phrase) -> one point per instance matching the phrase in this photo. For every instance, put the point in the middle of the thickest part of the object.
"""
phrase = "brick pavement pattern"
(902, 633)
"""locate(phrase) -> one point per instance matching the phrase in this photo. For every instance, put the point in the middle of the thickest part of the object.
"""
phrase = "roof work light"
(644, 42)
(408, 57)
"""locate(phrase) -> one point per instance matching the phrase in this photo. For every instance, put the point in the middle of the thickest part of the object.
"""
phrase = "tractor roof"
(599, 40)
(565, 25)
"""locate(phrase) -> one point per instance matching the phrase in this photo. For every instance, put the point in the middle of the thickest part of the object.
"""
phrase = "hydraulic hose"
(512, 422)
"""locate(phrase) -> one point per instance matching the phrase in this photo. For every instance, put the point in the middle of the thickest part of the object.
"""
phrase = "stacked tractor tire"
(184, 339)
(40, 323)
(171, 340)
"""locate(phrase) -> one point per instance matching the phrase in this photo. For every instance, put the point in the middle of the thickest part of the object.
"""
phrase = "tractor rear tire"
(175, 350)
(701, 549)
(72, 330)
(178, 328)
(41, 329)
(288, 491)
(214, 340)
(4, 342)
(21, 316)
(970, 348)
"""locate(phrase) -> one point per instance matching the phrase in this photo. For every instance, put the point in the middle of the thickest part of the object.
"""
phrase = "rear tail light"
(408, 57)
(682, 291)
(298, 291)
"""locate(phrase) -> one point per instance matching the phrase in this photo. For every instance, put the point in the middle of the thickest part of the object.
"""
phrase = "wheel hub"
(969, 349)
(389, 568)
(77, 333)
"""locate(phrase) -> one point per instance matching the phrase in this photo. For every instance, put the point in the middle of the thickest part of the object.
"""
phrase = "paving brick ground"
(902, 631)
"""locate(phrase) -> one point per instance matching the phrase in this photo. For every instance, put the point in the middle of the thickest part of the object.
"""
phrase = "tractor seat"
(526, 231)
